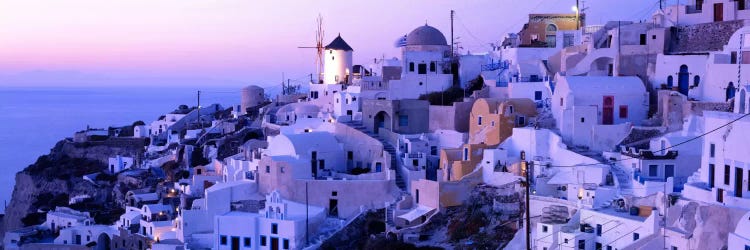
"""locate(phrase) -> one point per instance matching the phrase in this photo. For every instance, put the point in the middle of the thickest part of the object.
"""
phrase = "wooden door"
(608, 110)
(718, 12)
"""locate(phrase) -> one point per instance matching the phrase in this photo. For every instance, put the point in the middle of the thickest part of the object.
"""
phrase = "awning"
(416, 213)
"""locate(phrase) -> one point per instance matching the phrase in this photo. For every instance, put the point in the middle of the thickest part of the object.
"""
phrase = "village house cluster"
(633, 135)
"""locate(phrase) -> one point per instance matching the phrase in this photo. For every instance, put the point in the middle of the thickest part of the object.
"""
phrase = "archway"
(683, 80)
(103, 242)
(730, 91)
(382, 120)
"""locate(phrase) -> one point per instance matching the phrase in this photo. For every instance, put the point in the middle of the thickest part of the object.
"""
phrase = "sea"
(33, 119)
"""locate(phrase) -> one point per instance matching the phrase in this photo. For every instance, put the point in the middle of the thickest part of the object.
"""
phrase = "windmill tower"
(319, 36)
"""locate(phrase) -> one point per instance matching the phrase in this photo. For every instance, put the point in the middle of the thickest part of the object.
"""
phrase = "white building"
(281, 224)
(426, 67)
(63, 217)
(583, 106)
(740, 238)
(120, 163)
(84, 235)
(725, 162)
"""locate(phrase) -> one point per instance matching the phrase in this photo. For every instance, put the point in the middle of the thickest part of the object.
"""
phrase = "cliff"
(57, 176)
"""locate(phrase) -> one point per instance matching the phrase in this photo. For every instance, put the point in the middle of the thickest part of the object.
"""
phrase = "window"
(727, 169)
(598, 229)
(223, 240)
(544, 229)
(653, 170)
(712, 150)
(510, 110)
(566, 241)
(643, 39)
(268, 169)
(432, 67)
(403, 120)
(582, 244)
(561, 101)
(263, 240)
(583, 120)
(636, 236)
(653, 37)
(623, 111)
(537, 95)
(334, 193)
(281, 169)
(492, 123)
(520, 121)
(411, 67)
(433, 150)
(479, 120)
(568, 40)
(286, 244)
(733, 57)
(422, 68)
(466, 154)
(247, 242)
(274, 228)
(675, 248)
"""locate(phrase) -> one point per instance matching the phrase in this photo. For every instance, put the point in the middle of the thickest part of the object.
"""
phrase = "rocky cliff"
(57, 176)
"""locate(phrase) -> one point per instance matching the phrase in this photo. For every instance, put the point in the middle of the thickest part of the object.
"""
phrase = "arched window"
(670, 82)
(696, 80)
(551, 38)
(551, 28)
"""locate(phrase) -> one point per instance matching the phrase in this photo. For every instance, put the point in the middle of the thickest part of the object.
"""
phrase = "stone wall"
(703, 37)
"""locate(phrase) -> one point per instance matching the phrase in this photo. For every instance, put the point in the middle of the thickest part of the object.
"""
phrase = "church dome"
(426, 35)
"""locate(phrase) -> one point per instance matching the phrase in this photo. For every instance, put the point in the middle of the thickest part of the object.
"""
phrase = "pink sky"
(238, 42)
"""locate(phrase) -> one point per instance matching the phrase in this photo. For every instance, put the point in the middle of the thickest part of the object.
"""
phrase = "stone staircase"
(400, 182)
(623, 179)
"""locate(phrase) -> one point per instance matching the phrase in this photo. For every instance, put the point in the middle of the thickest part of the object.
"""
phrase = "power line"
(664, 149)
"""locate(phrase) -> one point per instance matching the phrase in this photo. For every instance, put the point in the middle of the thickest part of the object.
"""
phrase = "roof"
(338, 43)
(414, 214)
(604, 84)
(426, 35)
(301, 144)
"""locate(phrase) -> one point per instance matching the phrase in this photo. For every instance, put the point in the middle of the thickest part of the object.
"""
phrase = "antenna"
(319, 37)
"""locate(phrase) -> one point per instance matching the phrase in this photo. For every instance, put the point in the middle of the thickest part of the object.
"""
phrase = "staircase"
(388, 148)
(623, 179)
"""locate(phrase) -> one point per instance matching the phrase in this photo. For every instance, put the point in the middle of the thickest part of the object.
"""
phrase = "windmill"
(319, 36)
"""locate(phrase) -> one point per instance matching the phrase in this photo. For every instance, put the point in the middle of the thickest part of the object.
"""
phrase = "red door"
(608, 110)
(718, 12)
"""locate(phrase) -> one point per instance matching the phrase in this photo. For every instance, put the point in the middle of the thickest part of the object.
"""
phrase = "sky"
(239, 42)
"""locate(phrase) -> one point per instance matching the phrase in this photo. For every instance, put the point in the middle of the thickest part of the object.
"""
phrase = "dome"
(426, 35)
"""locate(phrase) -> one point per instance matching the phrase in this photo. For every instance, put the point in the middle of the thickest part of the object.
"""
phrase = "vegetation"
(196, 157)
(63, 167)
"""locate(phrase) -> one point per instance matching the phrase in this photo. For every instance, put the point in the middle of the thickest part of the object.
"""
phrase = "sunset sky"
(233, 42)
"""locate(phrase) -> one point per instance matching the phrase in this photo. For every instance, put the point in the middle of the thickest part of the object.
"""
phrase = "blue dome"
(426, 35)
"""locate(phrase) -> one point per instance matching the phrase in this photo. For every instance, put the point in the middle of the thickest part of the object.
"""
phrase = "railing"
(495, 66)
(417, 155)
(590, 29)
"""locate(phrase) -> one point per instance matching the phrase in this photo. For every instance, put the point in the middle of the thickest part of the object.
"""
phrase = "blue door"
(683, 80)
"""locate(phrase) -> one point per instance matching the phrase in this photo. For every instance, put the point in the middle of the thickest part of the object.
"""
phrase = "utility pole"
(578, 15)
(525, 169)
(307, 217)
(453, 14)
(199, 110)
